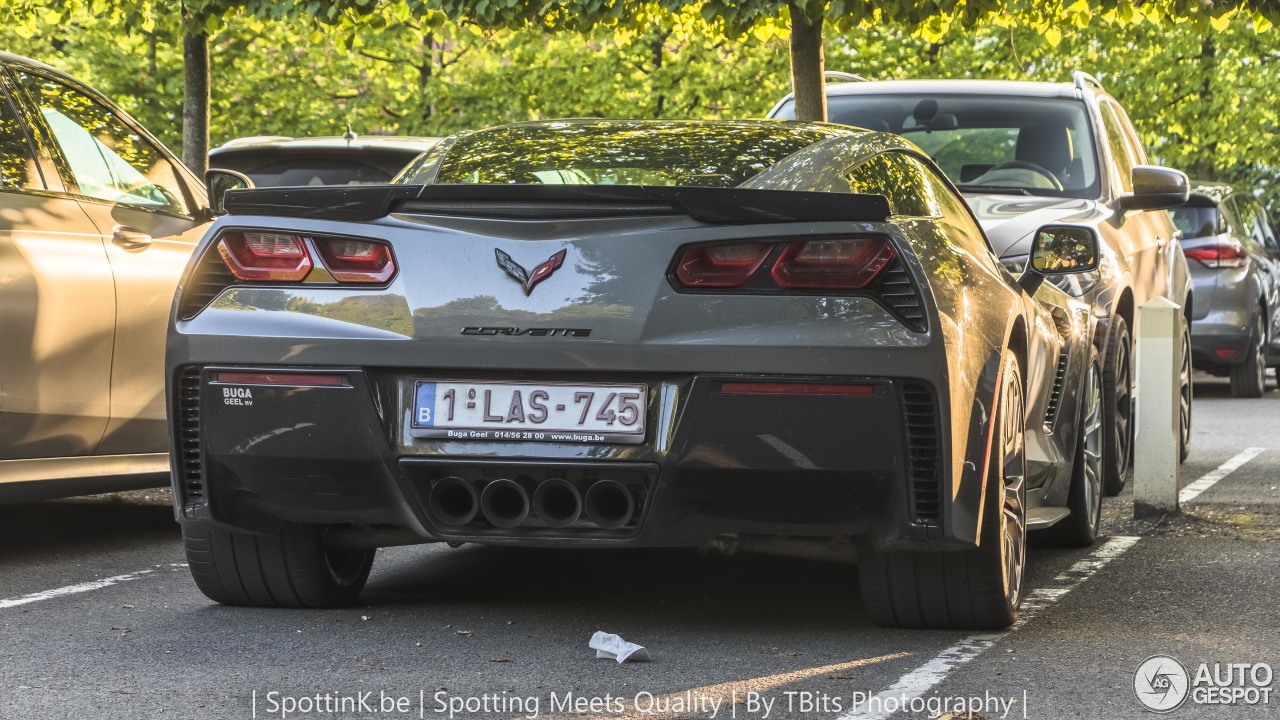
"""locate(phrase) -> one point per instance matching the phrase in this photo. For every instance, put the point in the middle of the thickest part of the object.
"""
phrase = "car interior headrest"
(1047, 145)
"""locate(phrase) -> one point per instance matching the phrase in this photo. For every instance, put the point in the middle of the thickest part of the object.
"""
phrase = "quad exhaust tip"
(557, 503)
(505, 503)
(454, 501)
(508, 503)
(609, 504)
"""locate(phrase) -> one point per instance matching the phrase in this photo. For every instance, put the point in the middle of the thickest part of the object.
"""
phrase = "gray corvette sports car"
(762, 335)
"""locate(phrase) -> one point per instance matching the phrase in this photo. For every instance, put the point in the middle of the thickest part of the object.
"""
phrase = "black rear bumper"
(713, 464)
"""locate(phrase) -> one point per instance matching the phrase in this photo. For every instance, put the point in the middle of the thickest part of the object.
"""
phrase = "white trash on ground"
(608, 645)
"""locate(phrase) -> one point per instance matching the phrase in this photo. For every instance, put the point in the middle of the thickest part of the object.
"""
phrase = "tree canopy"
(1203, 92)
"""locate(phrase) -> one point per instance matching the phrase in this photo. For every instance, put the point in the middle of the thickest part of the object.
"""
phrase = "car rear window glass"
(614, 153)
(18, 167)
(1043, 146)
(1196, 221)
(309, 171)
(902, 180)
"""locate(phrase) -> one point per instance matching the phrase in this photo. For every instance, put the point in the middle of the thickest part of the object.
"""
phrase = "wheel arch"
(1017, 342)
(1125, 307)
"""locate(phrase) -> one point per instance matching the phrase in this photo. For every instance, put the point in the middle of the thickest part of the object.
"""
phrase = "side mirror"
(1059, 250)
(218, 181)
(1156, 188)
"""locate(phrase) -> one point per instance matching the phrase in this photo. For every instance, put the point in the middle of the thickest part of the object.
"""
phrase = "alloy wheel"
(1184, 393)
(1093, 439)
(1013, 516)
(1123, 405)
(1260, 351)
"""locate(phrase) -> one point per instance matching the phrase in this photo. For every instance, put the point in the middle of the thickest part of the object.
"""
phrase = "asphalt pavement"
(99, 619)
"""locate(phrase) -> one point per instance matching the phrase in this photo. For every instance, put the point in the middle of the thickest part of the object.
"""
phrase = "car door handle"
(129, 238)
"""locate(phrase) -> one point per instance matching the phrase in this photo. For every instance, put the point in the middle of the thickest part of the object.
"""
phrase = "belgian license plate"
(540, 412)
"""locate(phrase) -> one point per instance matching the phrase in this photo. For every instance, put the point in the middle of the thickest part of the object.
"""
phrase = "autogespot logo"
(1161, 683)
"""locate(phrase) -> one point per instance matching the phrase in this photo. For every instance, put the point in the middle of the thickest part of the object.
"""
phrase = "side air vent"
(515, 210)
(898, 293)
(924, 452)
(1055, 397)
(191, 474)
(208, 281)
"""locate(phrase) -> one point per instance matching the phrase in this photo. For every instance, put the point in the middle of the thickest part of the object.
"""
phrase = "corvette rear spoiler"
(721, 206)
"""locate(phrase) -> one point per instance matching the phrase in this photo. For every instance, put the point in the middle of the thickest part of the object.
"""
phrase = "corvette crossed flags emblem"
(528, 279)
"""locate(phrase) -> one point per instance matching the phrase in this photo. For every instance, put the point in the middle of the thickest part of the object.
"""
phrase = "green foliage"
(400, 73)
(141, 70)
(197, 16)
(1203, 91)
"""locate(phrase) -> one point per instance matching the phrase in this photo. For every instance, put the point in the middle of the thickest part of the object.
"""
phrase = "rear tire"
(1249, 378)
(291, 569)
(977, 589)
(1117, 409)
(1080, 528)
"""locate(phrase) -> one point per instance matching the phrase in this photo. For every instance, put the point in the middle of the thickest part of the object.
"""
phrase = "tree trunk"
(195, 102)
(807, 66)
(655, 47)
(1205, 167)
(427, 106)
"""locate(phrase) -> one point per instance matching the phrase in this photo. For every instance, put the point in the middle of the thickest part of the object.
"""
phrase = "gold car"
(97, 221)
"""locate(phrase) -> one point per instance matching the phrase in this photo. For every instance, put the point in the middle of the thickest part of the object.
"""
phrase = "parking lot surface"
(99, 619)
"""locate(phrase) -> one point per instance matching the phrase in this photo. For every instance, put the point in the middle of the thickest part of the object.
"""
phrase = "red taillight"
(356, 261)
(847, 264)
(292, 379)
(793, 388)
(262, 256)
(1219, 256)
(265, 256)
(721, 266)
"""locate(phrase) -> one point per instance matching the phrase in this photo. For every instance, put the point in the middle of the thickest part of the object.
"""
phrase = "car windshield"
(1038, 146)
(615, 153)
(1196, 221)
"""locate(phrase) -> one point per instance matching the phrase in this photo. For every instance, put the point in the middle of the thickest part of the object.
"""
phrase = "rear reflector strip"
(762, 388)
(292, 379)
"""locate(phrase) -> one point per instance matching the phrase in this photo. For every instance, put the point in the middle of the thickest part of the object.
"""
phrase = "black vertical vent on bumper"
(924, 452)
(190, 472)
(898, 293)
(1055, 397)
(207, 281)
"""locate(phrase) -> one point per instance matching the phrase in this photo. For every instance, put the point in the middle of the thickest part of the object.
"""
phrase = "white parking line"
(916, 683)
(1192, 491)
(77, 588)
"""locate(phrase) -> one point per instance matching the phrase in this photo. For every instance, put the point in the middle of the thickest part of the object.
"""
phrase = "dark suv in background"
(1029, 154)
(1234, 259)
